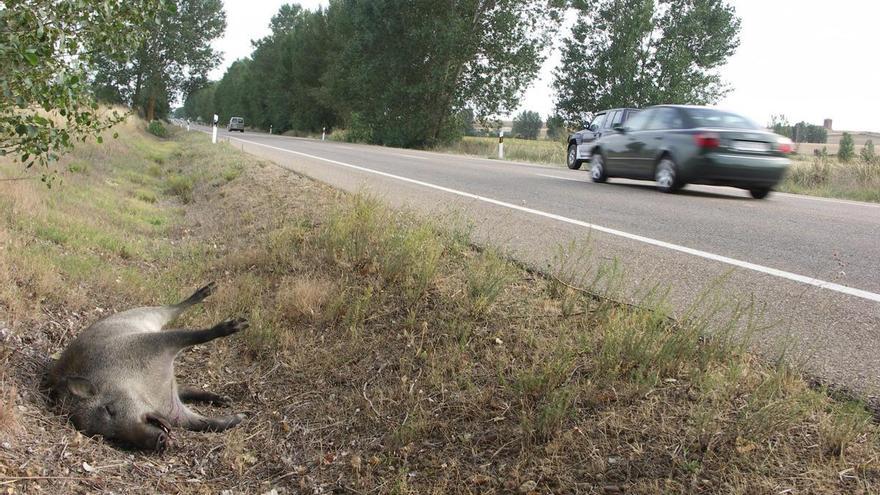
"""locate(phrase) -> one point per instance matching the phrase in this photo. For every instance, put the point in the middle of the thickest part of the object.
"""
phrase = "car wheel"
(597, 168)
(759, 192)
(666, 176)
(571, 157)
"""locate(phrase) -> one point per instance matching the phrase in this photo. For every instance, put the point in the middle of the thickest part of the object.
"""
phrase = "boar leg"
(197, 422)
(189, 394)
(171, 313)
(177, 340)
(197, 297)
(154, 318)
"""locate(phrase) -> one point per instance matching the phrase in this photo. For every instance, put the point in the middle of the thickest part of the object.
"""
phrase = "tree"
(780, 125)
(556, 127)
(174, 58)
(46, 48)
(200, 104)
(406, 67)
(527, 125)
(867, 154)
(641, 52)
(847, 149)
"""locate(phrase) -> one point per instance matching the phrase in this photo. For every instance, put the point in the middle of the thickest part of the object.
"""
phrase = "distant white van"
(236, 124)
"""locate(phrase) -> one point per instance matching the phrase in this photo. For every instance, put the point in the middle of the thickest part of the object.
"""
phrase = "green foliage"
(625, 53)
(200, 104)
(527, 125)
(868, 155)
(157, 129)
(173, 59)
(46, 47)
(393, 72)
(847, 149)
(801, 132)
(556, 128)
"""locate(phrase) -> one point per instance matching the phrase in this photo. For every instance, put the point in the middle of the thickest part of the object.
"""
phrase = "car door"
(652, 140)
(611, 142)
(590, 135)
(630, 147)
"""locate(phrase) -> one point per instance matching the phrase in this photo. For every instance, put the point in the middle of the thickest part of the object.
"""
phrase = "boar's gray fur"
(116, 378)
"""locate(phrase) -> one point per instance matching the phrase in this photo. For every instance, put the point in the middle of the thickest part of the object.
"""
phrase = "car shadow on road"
(649, 186)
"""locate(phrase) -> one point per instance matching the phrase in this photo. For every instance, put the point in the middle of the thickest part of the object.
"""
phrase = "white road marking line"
(827, 200)
(822, 284)
(561, 178)
(409, 156)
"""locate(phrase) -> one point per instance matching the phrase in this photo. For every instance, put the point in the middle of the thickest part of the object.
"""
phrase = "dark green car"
(677, 144)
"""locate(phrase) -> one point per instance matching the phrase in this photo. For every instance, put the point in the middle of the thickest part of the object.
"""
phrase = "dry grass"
(387, 355)
(524, 150)
(826, 176)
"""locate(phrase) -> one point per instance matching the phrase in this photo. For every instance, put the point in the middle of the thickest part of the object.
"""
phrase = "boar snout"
(152, 432)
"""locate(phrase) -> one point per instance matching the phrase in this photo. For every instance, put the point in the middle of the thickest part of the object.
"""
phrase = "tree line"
(395, 72)
(417, 73)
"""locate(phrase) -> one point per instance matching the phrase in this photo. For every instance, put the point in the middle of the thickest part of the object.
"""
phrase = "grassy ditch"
(826, 176)
(386, 354)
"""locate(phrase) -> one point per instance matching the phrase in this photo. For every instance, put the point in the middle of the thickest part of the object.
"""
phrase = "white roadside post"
(323, 133)
(501, 144)
(214, 133)
(187, 125)
(270, 128)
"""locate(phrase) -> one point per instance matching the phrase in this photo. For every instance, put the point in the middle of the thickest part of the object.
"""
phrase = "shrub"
(181, 186)
(868, 154)
(847, 149)
(556, 128)
(527, 125)
(157, 129)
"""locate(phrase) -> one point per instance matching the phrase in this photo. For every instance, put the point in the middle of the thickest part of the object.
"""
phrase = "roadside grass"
(826, 176)
(541, 151)
(389, 355)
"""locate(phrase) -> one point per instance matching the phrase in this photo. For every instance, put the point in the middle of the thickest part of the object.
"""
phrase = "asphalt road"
(810, 265)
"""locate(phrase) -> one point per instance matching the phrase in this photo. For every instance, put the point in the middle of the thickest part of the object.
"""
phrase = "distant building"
(828, 125)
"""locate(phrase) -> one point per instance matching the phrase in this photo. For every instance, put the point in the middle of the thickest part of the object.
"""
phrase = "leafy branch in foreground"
(46, 46)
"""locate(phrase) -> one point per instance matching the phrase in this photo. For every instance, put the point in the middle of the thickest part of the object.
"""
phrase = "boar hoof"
(203, 293)
(232, 326)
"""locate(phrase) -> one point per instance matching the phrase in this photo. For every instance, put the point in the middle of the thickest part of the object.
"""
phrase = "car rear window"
(708, 117)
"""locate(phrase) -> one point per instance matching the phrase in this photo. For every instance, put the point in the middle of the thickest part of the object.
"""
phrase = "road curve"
(811, 264)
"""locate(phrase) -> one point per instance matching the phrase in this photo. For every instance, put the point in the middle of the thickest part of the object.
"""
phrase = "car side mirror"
(594, 127)
(620, 128)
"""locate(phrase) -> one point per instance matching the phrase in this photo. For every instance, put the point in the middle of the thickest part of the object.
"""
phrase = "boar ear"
(81, 387)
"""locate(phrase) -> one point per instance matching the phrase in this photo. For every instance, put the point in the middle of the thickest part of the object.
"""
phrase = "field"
(826, 176)
(522, 150)
(387, 354)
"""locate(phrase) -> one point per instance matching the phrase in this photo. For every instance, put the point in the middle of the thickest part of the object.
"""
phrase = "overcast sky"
(807, 59)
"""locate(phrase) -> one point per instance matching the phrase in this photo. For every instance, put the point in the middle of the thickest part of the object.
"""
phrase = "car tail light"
(707, 140)
(784, 145)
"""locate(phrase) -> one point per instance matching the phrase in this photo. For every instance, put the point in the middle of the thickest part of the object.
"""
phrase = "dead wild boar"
(116, 378)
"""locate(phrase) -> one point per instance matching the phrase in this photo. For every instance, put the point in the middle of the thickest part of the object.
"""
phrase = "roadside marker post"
(270, 129)
(214, 133)
(501, 144)
(323, 133)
